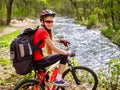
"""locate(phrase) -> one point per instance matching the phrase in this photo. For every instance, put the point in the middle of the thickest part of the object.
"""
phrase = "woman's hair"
(43, 15)
(48, 49)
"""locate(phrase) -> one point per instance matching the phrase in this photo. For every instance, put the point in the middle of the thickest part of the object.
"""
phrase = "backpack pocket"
(24, 50)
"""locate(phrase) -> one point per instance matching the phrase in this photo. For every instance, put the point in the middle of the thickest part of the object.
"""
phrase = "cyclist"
(45, 33)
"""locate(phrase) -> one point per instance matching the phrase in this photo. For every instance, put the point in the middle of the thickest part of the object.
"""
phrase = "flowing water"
(91, 47)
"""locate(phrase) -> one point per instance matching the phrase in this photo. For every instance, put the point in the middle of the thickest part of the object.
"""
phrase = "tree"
(9, 10)
(75, 5)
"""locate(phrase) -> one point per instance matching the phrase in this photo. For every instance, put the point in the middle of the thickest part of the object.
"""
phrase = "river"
(92, 48)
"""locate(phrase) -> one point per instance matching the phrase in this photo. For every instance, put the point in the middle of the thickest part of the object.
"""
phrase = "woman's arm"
(54, 48)
(56, 40)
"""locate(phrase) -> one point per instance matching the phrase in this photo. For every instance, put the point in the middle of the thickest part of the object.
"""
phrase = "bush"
(114, 73)
(108, 32)
(109, 76)
(113, 35)
(92, 21)
(116, 38)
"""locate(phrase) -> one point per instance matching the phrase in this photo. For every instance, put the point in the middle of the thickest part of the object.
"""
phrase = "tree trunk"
(76, 9)
(112, 15)
(9, 10)
(84, 11)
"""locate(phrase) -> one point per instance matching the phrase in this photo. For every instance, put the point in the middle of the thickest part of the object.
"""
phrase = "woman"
(45, 33)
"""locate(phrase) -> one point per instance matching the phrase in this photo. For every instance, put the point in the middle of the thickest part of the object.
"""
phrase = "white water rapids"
(91, 47)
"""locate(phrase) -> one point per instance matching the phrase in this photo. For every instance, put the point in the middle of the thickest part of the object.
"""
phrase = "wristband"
(68, 53)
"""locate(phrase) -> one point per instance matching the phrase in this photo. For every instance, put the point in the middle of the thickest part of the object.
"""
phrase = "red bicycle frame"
(41, 76)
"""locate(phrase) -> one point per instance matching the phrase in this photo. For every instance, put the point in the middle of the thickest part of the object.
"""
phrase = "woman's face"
(48, 21)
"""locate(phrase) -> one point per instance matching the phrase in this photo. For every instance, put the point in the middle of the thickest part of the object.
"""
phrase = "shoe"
(61, 83)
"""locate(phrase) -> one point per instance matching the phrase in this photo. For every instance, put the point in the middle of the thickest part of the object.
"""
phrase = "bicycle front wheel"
(29, 85)
(80, 78)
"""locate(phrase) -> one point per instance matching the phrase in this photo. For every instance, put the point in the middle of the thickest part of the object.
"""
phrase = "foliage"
(4, 61)
(74, 61)
(114, 73)
(2, 9)
(92, 20)
(109, 76)
(116, 38)
(104, 11)
(102, 77)
(112, 34)
(108, 32)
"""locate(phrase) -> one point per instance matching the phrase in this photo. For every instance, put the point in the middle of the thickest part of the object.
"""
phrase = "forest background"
(102, 14)
(87, 12)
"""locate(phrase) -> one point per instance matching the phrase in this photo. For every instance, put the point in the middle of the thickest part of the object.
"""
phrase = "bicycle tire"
(86, 78)
(28, 85)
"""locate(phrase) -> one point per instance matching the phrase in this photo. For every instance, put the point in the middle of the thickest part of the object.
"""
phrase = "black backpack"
(22, 49)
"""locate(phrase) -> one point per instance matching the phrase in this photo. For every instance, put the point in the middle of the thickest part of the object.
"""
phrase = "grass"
(6, 40)
(113, 35)
(4, 61)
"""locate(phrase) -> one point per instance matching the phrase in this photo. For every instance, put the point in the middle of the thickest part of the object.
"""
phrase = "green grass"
(4, 61)
(6, 40)
(113, 35)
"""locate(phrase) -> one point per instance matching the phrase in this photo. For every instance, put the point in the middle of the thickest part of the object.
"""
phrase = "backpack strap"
(36, 47)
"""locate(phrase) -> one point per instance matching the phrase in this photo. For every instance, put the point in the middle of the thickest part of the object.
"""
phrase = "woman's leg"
(61, 68)
(49, 60)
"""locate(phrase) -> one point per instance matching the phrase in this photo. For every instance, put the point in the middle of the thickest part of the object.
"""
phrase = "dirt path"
(19, 24)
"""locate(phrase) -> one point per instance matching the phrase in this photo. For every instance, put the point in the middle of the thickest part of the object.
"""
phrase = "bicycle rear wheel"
(28, 85)
(80, 78)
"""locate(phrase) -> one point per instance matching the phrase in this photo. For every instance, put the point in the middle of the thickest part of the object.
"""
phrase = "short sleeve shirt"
(41, 34)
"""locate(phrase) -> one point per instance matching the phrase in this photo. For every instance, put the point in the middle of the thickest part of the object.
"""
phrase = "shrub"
(116, 38)
(108, 32)
(109, 76)
(92, 21)
(114, 73)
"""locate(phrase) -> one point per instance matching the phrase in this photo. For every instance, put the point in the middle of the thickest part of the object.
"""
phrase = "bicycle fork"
(74, 74)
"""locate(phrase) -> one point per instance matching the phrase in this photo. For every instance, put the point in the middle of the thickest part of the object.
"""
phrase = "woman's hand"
(71, 54)
(65, 42)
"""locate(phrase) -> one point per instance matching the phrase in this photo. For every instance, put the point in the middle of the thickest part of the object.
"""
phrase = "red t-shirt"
(41, 34)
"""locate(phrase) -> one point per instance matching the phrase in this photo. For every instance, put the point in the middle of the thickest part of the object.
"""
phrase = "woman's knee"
(64, 59)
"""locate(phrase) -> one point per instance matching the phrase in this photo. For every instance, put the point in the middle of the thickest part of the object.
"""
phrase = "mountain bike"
(78, 76)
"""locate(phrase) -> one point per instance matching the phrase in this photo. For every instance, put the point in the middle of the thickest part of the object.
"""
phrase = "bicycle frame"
(41, 76)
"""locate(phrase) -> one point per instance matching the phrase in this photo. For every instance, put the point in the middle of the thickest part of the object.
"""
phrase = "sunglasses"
(48, 21)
